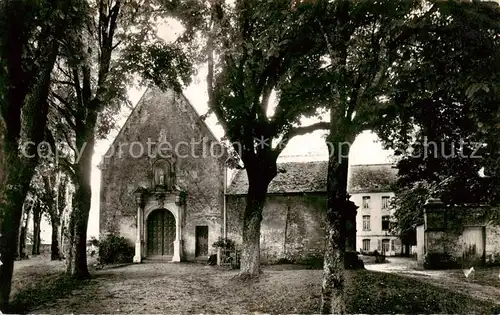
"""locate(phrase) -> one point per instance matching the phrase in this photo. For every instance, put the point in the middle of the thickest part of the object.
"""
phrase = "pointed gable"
(158, 103)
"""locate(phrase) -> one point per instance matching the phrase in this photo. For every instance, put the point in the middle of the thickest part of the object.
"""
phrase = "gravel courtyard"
(187, 288)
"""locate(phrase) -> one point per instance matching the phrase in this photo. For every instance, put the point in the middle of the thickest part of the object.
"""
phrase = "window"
(366, 245)
(366, 202)
(385, 202)
(385, 245)
(385, 222)
(366, 223)
(393, 245)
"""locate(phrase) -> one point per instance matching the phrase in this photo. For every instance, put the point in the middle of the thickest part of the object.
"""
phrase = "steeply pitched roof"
(293, 177)
(299, 177)
(371, 178)
(154, 90)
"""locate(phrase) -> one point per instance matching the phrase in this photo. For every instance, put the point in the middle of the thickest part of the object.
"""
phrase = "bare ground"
(156, 288)
(164, 288)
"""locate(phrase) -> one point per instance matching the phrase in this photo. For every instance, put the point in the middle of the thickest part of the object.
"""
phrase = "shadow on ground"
(155, 288)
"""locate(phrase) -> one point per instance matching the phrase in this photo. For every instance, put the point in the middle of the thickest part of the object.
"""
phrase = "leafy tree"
(255, 48)
(93, 72)
(373, 77)
(451, 108)
(29, 45)
(362, 41)
(49, 188)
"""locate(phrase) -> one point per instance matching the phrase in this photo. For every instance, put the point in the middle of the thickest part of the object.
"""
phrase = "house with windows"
(370, 189)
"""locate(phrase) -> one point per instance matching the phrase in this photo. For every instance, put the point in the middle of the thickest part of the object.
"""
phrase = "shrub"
(493, 259)
(229, 252)
(225, 244)
(379, 257)
(284, 261)
(314, 261)
(352, 261)
(115, 249)
(93, 242)
(369, 253)
(439, 261)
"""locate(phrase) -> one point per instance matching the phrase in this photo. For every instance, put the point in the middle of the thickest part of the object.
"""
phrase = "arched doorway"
(160, 233)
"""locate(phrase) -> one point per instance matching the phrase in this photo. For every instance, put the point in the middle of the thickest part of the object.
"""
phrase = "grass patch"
(375, 292)
(488, 276)
(367, 292)
(281, 289)
(45, 291)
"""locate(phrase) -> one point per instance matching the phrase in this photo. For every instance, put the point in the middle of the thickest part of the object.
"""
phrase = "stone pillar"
(434, 232)
(351, 260)
(139, 201)
(434, 215)
(177, 242)
(350, 218)
(138, 241)
(178, 231)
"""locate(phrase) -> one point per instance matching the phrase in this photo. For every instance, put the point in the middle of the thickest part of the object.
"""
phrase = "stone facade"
(468, 238)
(183, 168)
(163, 189)
(294, 217)
(293, 225)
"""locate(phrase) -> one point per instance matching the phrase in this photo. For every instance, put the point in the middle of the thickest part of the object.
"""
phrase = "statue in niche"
(160, 176)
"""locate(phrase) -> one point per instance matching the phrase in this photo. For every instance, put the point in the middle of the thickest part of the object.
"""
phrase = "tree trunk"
(55, 252)
(20, 236)
(37, 218)
(22, 242)
(62, 238)
(24, 233)
(81, 205)
(13, 193)
(24, 111)
(255, 200)
(332, 291)
(70, 247)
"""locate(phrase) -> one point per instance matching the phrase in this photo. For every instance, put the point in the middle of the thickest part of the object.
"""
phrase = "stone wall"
(163, 116)
(420, 230)
(492, 244)
(463, 235)
(293, 226)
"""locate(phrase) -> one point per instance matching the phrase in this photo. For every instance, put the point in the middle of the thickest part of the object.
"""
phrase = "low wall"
(457, 236)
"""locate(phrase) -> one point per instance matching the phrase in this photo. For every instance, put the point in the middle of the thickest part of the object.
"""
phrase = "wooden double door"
(161, 233)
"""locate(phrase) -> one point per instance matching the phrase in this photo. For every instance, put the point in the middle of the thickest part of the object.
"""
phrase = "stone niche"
(162, 174)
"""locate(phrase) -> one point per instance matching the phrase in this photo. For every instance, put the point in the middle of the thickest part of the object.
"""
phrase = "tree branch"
(64, 111)
(212, 103)
(298, 131)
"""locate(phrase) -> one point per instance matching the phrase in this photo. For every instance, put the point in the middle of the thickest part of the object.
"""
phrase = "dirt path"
(168, 288)
(187, 288)
(455, 280)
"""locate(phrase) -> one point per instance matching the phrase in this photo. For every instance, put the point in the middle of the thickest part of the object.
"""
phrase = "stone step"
(156, 259)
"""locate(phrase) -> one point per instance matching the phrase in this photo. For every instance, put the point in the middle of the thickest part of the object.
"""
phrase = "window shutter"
(379, 245)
